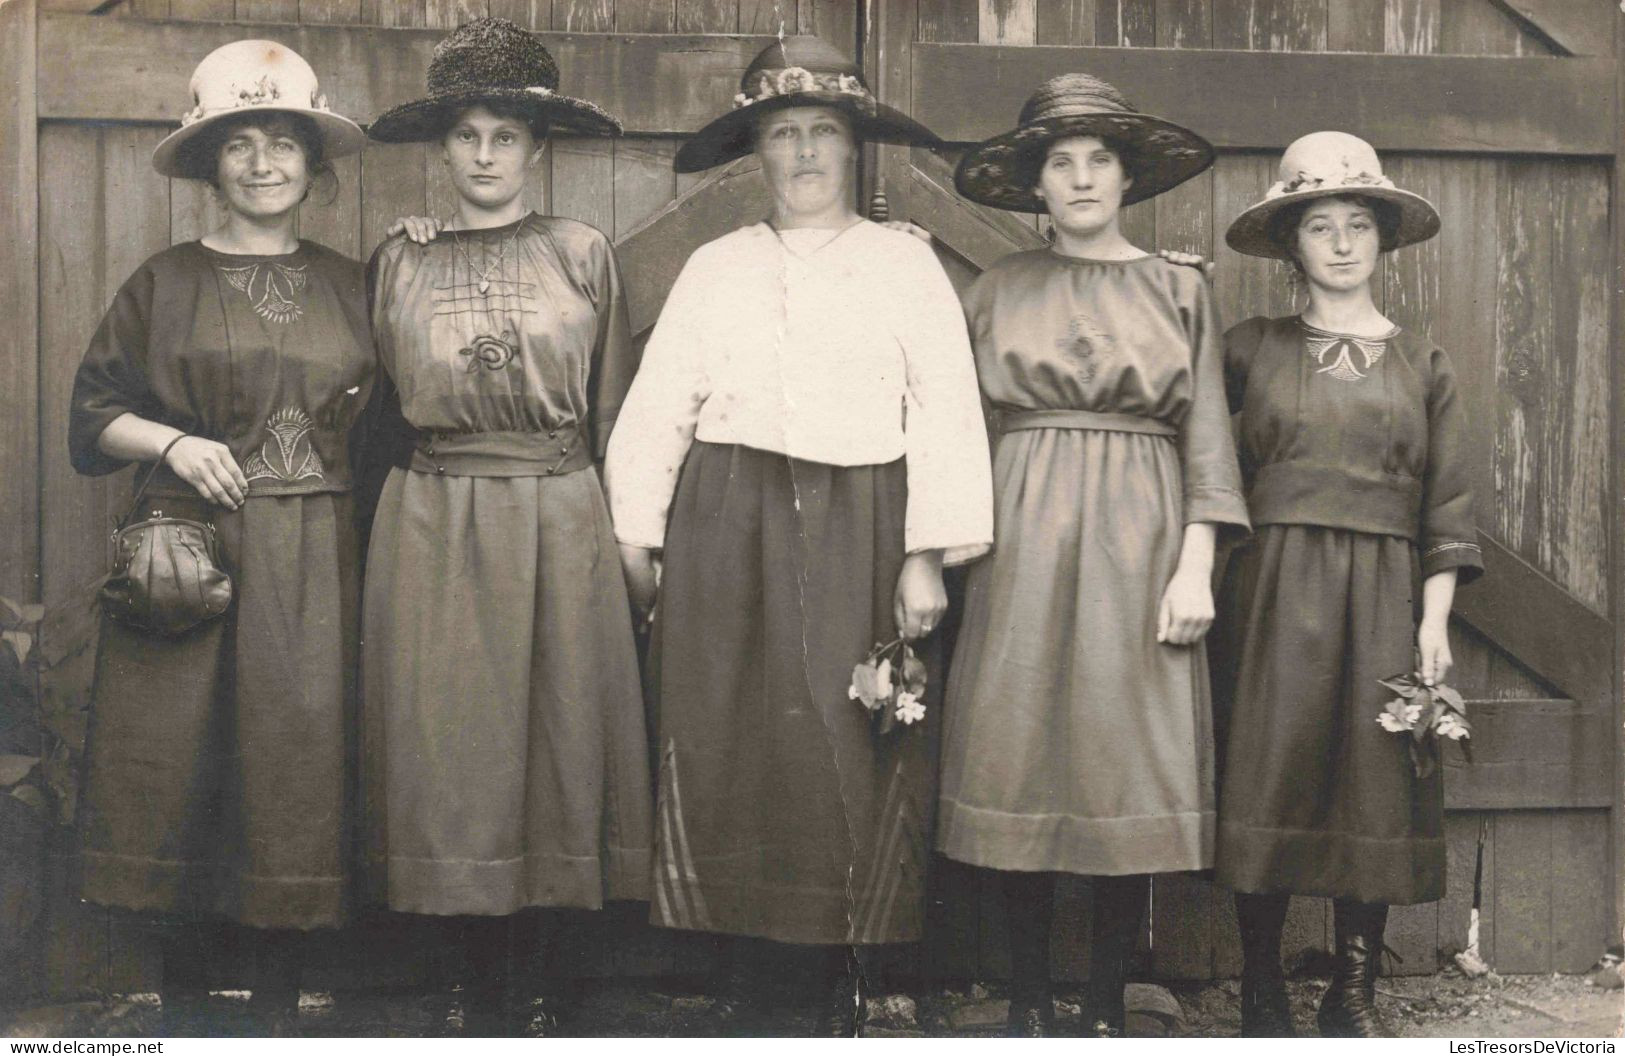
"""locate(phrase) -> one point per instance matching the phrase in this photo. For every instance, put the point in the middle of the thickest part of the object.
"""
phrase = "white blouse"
(848, 350)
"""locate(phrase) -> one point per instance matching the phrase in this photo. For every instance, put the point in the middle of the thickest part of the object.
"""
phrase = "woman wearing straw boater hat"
(216, 769)
(804, 446)
(1355, 452)
(506, 752)
(1078, 723)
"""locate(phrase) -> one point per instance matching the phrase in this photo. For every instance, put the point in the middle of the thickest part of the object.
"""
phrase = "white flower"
(909, 709)
(883, 678)
(1413, 712)
(849, 84)
(795, 79)
(741, 99)
(1450, 727)
(1391, 724)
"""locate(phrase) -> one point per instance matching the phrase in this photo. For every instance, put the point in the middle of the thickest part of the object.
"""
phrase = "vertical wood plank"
(1240, 25)
(347, 12)
(393, 175)
(1523, 892)
(1007, 21)
(1355, 25)
(449, 14)
(332, 214)
(1184, 24)
(1411, 27)
(583, 16)
(1461, 855)
(1574, 446)
(1475, 27)
(534, 15)
(583, 179)
(1580, 902)
(708, 16)
(644, 182)
(1066, 22)
(949, 21)
(268, 10)
(767, 17)
(648, 16)
(1241, 284)
(19, 305)
(1297, 25)
(834, 20)
(1410, 292)
(203, 10)
(403, 13)
(1125, 23)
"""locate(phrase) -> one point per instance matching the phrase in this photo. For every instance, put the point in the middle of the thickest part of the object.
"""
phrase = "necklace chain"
(484, 282)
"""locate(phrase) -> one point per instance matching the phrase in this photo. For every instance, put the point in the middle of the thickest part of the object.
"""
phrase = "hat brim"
(733, 135)
(426, 120)
(1249, 233)
(998, 171)
(340, 136)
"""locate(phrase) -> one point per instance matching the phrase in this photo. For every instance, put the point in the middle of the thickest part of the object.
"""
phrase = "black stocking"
(1029, 910)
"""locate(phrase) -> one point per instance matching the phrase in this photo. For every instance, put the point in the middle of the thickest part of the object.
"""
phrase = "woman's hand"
(1191, 260)
(210, 468)
(1186, 611)
(1433, 651)
(920, 601)
(642, 570)
(419, 229)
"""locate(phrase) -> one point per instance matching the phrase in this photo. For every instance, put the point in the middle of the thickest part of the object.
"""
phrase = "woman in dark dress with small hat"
(218, 762)
(506, 755)
(1078, 733)
(1354, 447)
(805, 446)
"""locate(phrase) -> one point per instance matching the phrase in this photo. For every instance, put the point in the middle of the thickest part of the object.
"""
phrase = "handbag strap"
(146, 482)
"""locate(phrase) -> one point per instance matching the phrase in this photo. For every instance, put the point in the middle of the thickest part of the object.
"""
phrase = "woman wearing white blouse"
(804, 443)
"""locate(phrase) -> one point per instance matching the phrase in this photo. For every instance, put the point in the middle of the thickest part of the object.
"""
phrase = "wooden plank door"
(1495, 111)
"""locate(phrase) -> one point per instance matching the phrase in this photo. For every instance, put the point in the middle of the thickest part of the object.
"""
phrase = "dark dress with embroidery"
(506, 759)
(1356, 460)
(216, 763)
(1074, 740)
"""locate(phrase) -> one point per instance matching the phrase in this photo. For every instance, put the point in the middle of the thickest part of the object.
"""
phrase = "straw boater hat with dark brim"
(1324, 165)
(1003, 171)
(491, 60)
(247, 77)
(798, 71)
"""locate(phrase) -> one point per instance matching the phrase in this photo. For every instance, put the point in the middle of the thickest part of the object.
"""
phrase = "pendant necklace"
(484, 283)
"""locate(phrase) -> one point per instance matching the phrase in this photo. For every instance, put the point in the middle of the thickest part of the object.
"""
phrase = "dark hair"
(1283, 226)
(534, 120)
(200, 158)
(1032, 159)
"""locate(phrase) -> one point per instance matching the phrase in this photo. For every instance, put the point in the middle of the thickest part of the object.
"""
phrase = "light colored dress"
(1075, 742)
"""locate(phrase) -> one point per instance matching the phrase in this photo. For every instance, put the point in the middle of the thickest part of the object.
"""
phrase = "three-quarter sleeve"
(950, 486)
(659, 414)
(112, 379)
(615, 355)
(1449, 538)
(1207, 448)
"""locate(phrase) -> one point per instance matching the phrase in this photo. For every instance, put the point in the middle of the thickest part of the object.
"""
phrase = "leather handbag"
(166, 576)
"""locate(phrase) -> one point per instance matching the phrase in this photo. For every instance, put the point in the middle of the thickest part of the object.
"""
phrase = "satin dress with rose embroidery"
(506, 760)
(218, 763)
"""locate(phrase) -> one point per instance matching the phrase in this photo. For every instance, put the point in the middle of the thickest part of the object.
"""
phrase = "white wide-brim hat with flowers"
(1328, 165)
(798, 71)
(248, 76)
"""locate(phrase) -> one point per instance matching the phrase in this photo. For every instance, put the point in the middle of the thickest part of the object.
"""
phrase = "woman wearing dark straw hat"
(1354, 447)
(506, 755)
(216, 769)
(1078, 732)
(805, 445)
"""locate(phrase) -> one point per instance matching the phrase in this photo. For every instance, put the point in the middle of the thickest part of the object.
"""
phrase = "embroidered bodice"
(269, 355)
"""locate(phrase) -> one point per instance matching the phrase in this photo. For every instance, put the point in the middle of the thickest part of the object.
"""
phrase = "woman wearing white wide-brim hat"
(217, 764)
(1355, 453)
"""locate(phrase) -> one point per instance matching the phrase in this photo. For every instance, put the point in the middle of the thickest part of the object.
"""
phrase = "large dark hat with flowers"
(1003, 171)
(491, 60)
(798, 71)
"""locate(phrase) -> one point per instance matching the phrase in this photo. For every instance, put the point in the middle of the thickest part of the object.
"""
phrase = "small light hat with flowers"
(798, 71)
(1326, 165)
(248, 76)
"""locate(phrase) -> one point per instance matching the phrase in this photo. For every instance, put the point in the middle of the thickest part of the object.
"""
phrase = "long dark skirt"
(780, 815)
(1315, 797)
(216, 763)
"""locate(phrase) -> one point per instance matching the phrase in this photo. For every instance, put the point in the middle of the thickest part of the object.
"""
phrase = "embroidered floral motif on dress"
(490, 351)
(1340, 350)
(287, 454)
(1086, 343)
(271, 287)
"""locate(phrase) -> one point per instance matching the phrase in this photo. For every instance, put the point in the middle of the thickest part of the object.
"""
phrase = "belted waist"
(516, 454)
(1010, 421)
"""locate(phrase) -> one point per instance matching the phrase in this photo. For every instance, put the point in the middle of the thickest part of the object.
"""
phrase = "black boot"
(1349, 1007)
(846, 1002)
(273, 1004)
(183, 994)
(1029, 909)
(1265, 1010)
(1119, 910)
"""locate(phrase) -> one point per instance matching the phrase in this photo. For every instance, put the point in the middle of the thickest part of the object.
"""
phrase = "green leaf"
(913, 673)
(30, 796)
(1404, 685)
(15, 768)
(22, 643)
(1450, 696)
(1396, 708)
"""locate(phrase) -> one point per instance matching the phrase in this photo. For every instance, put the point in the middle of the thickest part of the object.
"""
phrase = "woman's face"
(263, 172)
(1337, 244)
(807, 154)
(1082, 182)
(489, 157)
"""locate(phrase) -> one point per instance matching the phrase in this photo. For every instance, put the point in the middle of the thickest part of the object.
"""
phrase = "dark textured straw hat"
(1326, 165)
(490, 60)
(1002, 171)
(798, 71)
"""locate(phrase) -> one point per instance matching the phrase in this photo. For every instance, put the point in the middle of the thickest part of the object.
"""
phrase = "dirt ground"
(1444, 1005)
